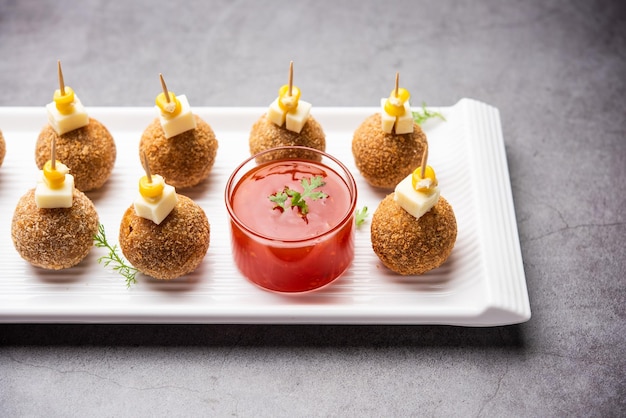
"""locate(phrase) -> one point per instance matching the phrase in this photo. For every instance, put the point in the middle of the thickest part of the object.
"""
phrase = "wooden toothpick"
(61, 82)
(147, 167)
(424, 161)
(397, 83)
(53, 160)
(164, 87)
(290, 77)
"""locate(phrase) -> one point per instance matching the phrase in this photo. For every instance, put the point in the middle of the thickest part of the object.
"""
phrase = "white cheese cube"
(47, 198)
(275, 114)
(297, 118)
(387, 120)
(404, 123)
(65, 123)
(414, 202)
(158, 209)
(180, 123)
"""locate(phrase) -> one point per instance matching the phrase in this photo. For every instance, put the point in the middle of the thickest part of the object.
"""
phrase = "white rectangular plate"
(481, 284)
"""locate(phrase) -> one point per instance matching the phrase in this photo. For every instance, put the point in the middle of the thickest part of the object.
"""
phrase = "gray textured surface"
(555, 69)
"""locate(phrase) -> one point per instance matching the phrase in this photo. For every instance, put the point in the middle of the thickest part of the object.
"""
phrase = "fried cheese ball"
(265, 134)
(3, 148)
(54, 239)
(183, 160)
(385, 159)
(412, 246)
(171, 249)
(89, 152)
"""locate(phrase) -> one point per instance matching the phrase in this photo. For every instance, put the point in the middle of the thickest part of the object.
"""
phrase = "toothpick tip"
(60, 75)
(53, 157)
(147, 167)
(164, 87)
(397, 83)
(424, 161)
(290, 83)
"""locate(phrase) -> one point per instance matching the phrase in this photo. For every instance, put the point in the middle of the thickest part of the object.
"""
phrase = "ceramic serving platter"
(481, 284)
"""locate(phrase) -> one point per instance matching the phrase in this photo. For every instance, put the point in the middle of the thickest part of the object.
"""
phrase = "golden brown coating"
(183, 160)
(54, 239)
(171, 249)
(385, 159)
(408, 245)
(3, 148)
(89, 152)
(266, 135)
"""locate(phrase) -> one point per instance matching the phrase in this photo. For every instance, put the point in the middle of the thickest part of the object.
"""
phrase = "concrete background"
(555, 69)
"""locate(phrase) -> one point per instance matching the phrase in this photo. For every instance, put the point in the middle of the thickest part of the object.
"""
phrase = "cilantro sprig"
(298, 199)
(360, 216)
(113, 258)
(423, 115)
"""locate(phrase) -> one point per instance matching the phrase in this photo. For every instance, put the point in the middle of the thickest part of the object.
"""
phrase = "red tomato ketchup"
(289, 248)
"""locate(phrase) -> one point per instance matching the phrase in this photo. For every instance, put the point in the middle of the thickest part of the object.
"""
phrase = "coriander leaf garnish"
(298, 199)
(360, 215)
(279, 198)
(310, 186)
(113, 258)
(422, 116)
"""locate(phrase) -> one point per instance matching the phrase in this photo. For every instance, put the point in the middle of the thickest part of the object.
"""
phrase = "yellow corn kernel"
(171, 108)
(151, 189)
(287, 102)
(64, 102)
(429, 174)
(394, 105)
(54, 178)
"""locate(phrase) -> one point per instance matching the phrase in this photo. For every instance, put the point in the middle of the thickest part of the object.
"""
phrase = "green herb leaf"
(113, 258)
(422, 116)
(279, 198)
(298, 199)
(360, 215)
(310, 186)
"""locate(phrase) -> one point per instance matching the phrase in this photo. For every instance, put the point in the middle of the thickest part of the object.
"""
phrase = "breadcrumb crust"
(411, 246)
(385, 159)
(54, 239)
(89, 152)
(3, 148)
(183, 160)
(171, 249)
(266, 135)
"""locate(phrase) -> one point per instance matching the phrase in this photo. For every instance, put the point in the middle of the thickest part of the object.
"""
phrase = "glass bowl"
(291, 219)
